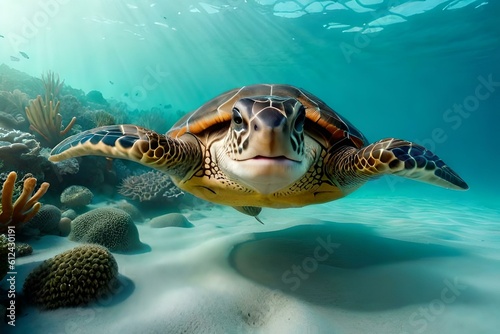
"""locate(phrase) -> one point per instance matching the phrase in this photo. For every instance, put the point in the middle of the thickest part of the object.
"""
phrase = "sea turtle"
(263, 146)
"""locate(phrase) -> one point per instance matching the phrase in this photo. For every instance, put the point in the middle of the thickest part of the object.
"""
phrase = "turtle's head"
(264, 147)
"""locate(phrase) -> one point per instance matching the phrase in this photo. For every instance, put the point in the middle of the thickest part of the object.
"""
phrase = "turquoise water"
(426, 71)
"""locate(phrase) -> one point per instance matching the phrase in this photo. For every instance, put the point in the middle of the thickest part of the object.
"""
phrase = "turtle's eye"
(237, 119)
(301, 118)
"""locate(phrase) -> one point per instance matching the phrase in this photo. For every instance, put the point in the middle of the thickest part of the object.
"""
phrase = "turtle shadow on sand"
(347, 266)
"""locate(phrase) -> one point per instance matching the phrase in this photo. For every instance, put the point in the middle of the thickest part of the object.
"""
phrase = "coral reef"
(25, 207)
(43, 114)
(14, 79)
(170, 220)
(155, 119)
(13, 102)
(95, 96)
(64, 226)
(15, 144)
(70, 213)
(109, 227)
(150, 186)
(66, 167)
(131, 209)
(20, 151)
(72, 106)
(7, 121)
(103, 118)
(45, 120)
(7, 247)
(76, 197)
(53, 86)
(12, 106)
(46, 221)
(73, 278)
(95, 172)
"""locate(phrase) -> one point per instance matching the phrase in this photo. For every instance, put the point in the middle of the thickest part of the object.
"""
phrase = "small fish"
(2, 36)
(14, 58)
(24, 55)
(126, 94)
(167, 106)
(111, 82)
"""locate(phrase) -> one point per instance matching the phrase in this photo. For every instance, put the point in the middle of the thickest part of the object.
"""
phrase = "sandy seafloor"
(362, 264)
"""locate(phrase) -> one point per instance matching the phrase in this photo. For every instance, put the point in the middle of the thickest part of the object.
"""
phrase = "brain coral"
(46, 220)
(110, 227)
(75, 277)
(150, 186)
(76, 196)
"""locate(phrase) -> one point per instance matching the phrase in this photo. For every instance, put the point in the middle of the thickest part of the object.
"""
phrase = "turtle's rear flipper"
(251, 211)
(351, 167)
(407, 159)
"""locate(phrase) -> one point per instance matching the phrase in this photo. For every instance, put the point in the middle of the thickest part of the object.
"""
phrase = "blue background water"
(393, 68)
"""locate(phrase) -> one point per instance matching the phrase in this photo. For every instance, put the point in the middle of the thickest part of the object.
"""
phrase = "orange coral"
(26, 205)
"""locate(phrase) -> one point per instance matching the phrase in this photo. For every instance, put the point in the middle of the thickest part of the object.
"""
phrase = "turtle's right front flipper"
(397, 157)
(173, 156)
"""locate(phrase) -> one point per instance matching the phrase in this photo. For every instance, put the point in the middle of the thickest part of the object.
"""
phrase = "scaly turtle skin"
(263, 146)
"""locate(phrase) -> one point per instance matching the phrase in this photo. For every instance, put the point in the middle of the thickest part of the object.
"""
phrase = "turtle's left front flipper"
(173, 156)
(398, 157)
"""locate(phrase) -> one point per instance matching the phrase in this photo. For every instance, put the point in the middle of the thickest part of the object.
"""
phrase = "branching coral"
(45, 120)
(26, 205)
(43, 114)
(52, 85)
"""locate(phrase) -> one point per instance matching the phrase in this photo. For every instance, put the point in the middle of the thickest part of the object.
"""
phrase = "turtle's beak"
(272, 137)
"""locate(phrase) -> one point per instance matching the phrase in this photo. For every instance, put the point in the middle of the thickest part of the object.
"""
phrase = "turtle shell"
(322, 123)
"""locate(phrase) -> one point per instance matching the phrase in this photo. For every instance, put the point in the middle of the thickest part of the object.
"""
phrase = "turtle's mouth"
(278, 159)
(264, 172)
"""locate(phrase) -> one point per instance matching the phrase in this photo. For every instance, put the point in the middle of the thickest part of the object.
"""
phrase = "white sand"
(362, 265)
